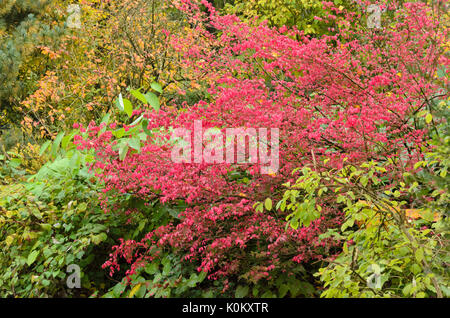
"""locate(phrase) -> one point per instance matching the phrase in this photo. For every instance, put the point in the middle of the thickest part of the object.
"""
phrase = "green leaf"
(157, 87)
(258, 207)
(283, 290)
(267, 294)
(294, 224)
(144, 127)
(152, 268)
(118, 289)
(153, 100)
(44, 147)
(123, 151)
(419, 255)
(105, 119)
(65, 141)
(415, 269)
(202, 276)
(407, 290)
(57, 143)
(128, 107)
(124, 105)
(46, 226)
(135, 143)
(364, 181)
(32, 257)
(119, 133)
(241, 291)
(138, 95)
(97, 239)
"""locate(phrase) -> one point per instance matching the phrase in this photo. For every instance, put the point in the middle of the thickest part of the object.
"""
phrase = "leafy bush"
(352, 201)
(396, 228)
(330, 101)
(54, 219)
(309, 16)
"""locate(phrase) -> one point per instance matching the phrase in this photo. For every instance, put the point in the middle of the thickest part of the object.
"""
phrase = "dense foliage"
(352, 201)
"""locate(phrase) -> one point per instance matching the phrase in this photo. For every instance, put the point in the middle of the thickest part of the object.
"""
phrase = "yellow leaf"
(134, 290)
(417, 214)
(268, 204)
(9, 240)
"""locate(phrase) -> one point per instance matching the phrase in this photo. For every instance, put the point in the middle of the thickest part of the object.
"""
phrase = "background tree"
(24, 25)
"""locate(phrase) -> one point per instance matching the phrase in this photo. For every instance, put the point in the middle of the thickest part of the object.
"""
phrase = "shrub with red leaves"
(351, 95)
